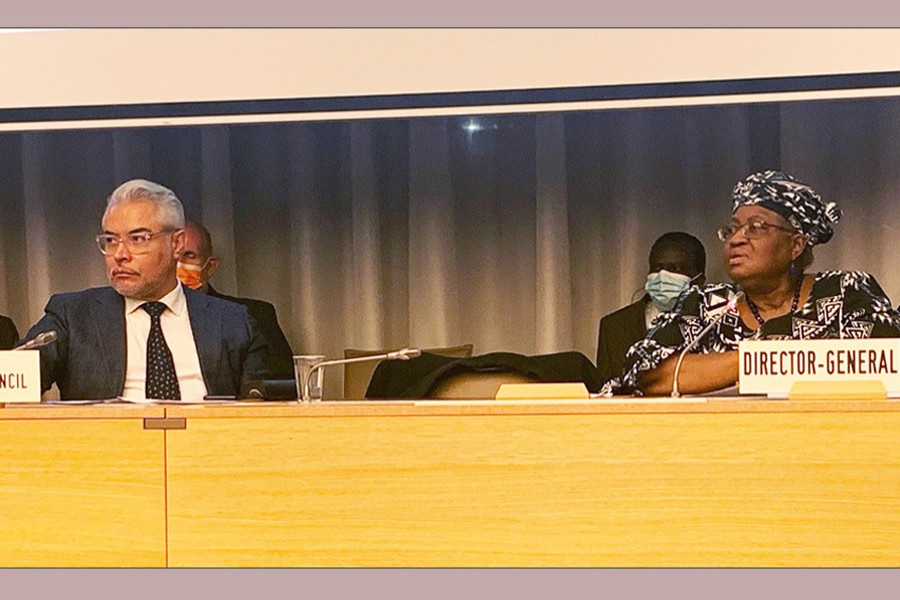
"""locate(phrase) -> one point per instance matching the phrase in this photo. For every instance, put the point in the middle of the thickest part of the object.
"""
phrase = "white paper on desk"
(172, 402)
(76, 402)
(731, 393)
(727, 393)
(648, 400)
(785, 396)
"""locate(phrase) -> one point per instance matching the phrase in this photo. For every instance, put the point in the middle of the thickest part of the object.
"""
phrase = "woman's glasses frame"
(751, 230)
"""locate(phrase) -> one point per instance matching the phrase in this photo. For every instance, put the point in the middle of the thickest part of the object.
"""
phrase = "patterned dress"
(848, 304)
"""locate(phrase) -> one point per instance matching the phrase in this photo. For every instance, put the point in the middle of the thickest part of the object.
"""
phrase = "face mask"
(664, 287)
(191, 275)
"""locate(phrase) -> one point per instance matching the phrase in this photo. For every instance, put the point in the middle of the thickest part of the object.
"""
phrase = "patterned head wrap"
(798, 203)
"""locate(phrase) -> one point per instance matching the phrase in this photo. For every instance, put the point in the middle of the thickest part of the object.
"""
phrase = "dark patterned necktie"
(162, 382)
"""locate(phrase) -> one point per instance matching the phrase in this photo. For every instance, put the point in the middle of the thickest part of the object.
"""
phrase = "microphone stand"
(404, 354)
(729, 307)
(38, 341)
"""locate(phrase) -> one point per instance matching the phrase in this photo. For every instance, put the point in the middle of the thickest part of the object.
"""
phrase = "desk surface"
(81, 486)
(620, 482)
(613, 405)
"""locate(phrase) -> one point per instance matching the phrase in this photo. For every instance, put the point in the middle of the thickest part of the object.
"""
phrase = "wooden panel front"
(720, 486)
(81, 487)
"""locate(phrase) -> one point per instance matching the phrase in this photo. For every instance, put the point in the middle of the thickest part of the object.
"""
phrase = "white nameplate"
(773, 366)
(20, 376)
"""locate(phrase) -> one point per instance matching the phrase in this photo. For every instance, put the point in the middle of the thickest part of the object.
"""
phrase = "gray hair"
(171, 212)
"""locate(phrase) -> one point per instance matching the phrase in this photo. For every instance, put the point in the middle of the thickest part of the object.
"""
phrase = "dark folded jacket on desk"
(417, 377)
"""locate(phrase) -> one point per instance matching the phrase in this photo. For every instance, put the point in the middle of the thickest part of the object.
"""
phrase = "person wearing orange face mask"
(197, 265)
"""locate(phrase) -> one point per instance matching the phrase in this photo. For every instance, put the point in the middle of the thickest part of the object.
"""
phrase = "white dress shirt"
(176, 327)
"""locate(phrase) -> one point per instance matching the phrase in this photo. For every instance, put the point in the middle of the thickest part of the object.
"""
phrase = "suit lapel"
(108, 317)
(638, 326)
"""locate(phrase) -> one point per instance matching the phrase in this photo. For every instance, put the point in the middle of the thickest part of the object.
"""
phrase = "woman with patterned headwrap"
(776, 220)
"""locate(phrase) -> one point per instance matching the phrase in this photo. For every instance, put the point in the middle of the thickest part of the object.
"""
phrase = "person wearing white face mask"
(767, 247)
(664, 288)
(677, 261)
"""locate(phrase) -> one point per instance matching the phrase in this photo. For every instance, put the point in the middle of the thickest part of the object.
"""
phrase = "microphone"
(403, 354)
(720, 312)
(38, 341)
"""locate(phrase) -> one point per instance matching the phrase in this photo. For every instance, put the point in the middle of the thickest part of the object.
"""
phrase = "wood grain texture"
(712, 485)
(81, 491)
(618, 405)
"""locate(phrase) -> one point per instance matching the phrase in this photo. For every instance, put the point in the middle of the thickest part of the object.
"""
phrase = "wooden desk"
(718, 483)
(81, 487)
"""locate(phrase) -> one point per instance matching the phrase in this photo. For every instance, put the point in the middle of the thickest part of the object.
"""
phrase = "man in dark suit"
(198, 264)
(677, 260)
(146, 336)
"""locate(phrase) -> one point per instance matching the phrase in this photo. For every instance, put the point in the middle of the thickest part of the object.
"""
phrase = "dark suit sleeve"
(253, 363)
(54, 356)
(8, 333)
(604, 353)
(280, 359)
